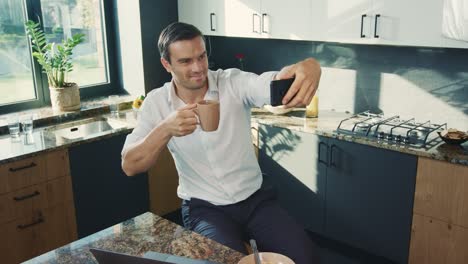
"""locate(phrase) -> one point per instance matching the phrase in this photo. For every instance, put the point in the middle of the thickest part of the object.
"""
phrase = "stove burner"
(414, 134)
(362, 127)
(406, 140)
(381, 135)
(392, 130)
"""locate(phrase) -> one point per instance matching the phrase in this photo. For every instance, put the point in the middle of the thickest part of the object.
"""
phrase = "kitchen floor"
(332, 252)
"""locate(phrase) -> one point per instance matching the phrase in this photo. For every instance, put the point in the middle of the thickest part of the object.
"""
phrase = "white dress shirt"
(220, 166)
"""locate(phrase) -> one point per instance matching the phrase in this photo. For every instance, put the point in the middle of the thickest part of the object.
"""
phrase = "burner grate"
(390, 129)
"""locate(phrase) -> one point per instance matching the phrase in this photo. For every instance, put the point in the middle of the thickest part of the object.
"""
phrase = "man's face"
(189, 63)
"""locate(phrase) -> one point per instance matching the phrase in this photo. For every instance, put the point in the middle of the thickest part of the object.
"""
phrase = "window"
(16, 82)
(21, 83)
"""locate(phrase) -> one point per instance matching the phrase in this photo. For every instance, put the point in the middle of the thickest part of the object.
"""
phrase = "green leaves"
(55, 59)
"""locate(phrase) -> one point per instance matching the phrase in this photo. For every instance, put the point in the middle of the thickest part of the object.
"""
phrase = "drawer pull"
(21, 198)
(38, 221)
(24, 167)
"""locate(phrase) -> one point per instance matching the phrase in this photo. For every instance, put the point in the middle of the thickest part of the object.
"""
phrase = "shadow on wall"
(425, 83)
(279, 143)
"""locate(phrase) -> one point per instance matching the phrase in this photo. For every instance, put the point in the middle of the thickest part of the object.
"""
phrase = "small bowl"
(277, 110)
(267, 258)
(452, 141)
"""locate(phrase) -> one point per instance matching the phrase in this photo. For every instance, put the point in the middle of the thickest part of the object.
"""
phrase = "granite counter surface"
(45, 140)
(146, 232)
(328, 121)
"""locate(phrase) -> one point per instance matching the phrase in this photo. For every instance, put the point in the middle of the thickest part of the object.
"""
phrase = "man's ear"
(166, 65)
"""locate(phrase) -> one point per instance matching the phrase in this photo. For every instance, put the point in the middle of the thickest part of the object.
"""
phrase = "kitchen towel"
(455, 19)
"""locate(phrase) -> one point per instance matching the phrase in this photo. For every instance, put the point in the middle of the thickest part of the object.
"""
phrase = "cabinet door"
(370, 198)
(206, 15)
(294, 20)
(289, 163)
(243, 18)
(102, 193)
(344, 20)
(412, 23)
(435, 242)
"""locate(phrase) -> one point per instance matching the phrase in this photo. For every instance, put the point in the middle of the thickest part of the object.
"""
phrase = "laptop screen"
(110, 257)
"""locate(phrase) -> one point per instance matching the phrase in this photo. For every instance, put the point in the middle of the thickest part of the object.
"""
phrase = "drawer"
(22, 202)
(22, 173)
(58, 229)
(57, 164)
(38, 233)
(17, 239)
(31, 199)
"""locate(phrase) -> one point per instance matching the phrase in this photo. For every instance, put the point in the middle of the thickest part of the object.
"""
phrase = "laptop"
(110, 257)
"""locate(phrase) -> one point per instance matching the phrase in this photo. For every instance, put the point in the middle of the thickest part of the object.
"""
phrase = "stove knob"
(389, 137)
(406, 140)
(398, 138)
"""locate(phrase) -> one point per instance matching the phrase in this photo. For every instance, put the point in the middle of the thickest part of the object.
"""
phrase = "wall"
(425, 83)
(155, 16)
(138, 24)
(128, 35)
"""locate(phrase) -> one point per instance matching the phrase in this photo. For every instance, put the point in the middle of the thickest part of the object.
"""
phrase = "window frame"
(32, 11)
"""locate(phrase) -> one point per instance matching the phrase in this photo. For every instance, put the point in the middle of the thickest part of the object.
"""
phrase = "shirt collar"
(212, 92)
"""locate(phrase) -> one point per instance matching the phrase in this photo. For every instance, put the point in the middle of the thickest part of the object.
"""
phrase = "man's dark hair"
(175, 32)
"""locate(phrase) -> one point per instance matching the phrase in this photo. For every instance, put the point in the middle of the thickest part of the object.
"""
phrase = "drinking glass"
(114, 101)
(14, 127)
(27, 124)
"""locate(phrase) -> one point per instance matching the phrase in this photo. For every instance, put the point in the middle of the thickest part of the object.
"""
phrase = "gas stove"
(392, 130)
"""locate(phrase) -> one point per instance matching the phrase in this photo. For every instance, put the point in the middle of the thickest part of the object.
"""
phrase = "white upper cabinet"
(386, 22)
(409, 23)
(272, 19)
(243, 18)
(206, 15)
(293, 19)
(347, 21)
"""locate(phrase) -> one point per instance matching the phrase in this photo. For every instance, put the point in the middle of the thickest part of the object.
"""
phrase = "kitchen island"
(136, 236)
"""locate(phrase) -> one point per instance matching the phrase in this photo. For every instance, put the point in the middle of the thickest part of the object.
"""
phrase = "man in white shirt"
(219, 176)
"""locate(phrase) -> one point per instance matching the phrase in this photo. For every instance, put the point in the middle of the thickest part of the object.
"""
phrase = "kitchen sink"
(87, 127)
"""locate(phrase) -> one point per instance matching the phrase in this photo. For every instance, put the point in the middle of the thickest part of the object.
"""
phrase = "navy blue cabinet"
(348, 192)
(103, 194)
(369, 198)
(289, 163)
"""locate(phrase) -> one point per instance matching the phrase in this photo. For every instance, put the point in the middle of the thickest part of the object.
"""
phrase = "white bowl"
(277, 110)
(267, 258)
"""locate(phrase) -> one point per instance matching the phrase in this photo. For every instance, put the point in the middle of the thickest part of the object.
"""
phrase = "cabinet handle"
(211, 22)
(332, 160)
(362, 25)
(21, 198)
(38, 221)
(319, 154)
(253, 22)
(24, 167)
(375, 25)
(263, 22)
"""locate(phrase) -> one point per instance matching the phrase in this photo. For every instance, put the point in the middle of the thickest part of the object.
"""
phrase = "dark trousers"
(259, 217)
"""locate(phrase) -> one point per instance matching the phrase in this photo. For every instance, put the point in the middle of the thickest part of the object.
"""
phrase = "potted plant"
(56, 62)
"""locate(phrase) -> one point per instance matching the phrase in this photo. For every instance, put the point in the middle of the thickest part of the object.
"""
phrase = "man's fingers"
(304, 96)
(188, 107)
(293, 90)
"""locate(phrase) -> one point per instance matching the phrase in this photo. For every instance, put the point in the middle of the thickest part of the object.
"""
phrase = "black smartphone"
(278, 89)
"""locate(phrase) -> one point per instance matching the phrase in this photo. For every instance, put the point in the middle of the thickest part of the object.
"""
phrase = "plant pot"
(65, 99)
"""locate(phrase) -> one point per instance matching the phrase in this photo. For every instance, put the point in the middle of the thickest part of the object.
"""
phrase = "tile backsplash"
(425, 83)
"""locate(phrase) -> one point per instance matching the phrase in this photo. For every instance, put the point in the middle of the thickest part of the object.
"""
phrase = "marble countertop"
(328, 121)
(44, 139)
(146, 232)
